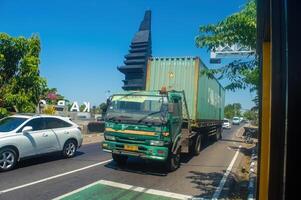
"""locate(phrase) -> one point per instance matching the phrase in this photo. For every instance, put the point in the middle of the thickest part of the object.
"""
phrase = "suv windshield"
(137, 108)
(11, 123)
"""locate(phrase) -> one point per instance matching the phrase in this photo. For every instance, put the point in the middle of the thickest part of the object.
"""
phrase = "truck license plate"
(131, 148)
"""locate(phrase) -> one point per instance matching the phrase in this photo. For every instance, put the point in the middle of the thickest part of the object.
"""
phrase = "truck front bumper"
(159, 153)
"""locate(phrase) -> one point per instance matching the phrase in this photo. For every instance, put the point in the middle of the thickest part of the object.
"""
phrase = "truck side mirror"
(171, 107)
(108, 102)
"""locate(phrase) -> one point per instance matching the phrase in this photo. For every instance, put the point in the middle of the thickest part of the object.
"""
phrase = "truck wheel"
(197, 145)
(119, 159)
(173, 161)
(218, 135)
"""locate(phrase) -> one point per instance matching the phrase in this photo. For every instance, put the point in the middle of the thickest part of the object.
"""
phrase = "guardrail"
(96, 127)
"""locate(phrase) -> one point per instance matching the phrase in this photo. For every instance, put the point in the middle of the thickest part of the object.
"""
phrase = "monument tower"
(135, 62)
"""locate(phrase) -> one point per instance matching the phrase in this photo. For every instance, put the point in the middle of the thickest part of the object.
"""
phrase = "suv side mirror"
(171, 107)
(26, 129)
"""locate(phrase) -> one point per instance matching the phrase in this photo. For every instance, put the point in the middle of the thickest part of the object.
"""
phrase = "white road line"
(226, 174)
(53, 177)
(145, 190)
(75, 191)
(130, 187)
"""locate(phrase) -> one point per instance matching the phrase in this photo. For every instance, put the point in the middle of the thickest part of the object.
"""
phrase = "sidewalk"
(93, 138)
(242, 173)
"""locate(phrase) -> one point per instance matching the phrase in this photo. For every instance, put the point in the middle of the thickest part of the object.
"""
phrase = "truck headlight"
(156, 143)
(165, 134)
(110, 137)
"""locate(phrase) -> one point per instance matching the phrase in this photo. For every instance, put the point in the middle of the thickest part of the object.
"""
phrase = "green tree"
(20, 83)
(237, 109)
(249, 114)
(252, 115)
(229, 111)
(238, 28)
(103, 107)
(232, 110)
(82, 107)
(51, 95)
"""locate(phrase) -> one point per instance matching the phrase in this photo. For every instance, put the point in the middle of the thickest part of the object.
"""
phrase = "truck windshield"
(137, 108)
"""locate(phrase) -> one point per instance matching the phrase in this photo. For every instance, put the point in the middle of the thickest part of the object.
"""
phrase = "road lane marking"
(54, 177)
(130, 187)
(145, 190)
(75, 191)
(226, 174)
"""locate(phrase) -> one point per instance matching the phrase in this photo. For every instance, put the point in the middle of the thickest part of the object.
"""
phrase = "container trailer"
(180, 109)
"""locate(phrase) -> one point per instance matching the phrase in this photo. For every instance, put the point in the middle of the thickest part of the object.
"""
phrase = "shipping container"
(205, 96)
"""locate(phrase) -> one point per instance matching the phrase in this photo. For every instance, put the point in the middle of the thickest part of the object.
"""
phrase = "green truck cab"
(146, 125)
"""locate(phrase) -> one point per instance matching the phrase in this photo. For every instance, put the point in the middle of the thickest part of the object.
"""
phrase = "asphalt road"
(50, 177)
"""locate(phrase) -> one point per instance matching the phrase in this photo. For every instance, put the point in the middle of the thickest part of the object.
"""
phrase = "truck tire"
(218, 135)
(173, 161)
(119, 159)
(196, 146)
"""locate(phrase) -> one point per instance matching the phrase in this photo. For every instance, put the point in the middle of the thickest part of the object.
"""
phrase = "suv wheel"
(69, 149)
(8, 159)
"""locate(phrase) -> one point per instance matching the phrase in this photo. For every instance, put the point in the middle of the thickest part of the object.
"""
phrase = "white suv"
(23, 136)
(226, 124)
(236, 121)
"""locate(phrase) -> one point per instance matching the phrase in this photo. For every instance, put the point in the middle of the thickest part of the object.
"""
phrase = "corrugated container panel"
(221, 105)
(205, 97)
(174, 74)
(211, 98)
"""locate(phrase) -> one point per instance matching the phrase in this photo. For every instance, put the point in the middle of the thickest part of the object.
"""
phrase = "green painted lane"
(105, 192)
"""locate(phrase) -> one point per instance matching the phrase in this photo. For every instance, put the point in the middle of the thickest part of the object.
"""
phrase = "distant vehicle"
(226, 124)
(241, 119)
(99, 118)
(83, 115)
(236, 121)
(24, 136)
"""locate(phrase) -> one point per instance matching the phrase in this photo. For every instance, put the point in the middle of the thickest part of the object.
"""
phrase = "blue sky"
(84, 41)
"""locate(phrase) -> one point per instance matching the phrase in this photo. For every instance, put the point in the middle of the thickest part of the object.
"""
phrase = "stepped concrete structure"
(135, 62)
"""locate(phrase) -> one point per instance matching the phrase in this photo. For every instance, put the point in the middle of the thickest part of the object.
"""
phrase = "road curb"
(252, 175)
(239, 132)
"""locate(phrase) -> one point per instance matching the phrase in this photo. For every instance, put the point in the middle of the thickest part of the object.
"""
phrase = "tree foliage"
(103, 107)
(238, 28)
(20, 83)
(232, 110)
(49, 110)
(51, 95)
(250, 115)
